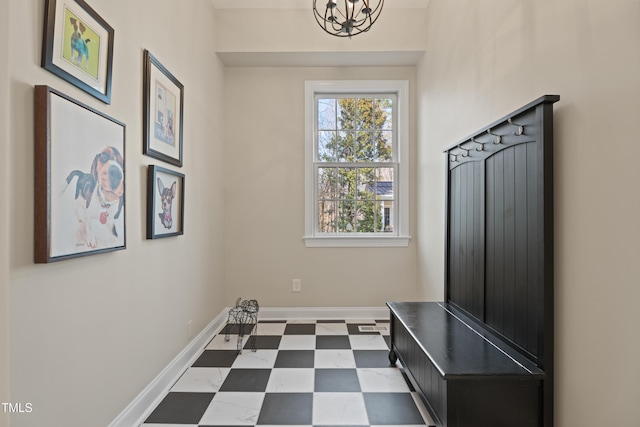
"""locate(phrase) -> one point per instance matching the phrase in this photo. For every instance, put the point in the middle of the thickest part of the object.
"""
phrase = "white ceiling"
(304, 4)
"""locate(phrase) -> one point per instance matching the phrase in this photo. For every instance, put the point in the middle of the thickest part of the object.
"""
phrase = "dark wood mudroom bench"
(466, 376)
(484, 357)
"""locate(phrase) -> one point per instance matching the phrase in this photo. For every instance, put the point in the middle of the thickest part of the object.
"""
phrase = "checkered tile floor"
(303, 373)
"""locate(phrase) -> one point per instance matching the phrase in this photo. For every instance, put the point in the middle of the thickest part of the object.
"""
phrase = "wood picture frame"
(163, 101)
(165, 203)
(79, 168)
(78, 46)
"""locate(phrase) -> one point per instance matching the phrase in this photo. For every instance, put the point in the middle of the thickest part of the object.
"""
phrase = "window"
(356, 163)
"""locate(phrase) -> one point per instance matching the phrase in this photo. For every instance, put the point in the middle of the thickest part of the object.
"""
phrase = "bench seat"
(465, 376)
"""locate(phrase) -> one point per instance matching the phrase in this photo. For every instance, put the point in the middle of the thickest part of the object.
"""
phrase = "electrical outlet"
(189, 333)
(296, 286)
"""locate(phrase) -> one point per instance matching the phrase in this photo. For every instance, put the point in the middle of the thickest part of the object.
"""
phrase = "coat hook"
(466, 152)
(498, 137)
(481, 144)
(520, 130)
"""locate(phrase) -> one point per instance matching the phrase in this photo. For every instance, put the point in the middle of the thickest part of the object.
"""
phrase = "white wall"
(5, 210)
(482, 62)
(295, 30)
(264, 159)
(87, 335)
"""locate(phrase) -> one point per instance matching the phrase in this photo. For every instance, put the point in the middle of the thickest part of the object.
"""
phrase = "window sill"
(356, 242)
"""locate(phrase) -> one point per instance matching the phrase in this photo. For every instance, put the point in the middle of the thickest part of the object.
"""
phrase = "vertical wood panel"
(532, 247)
(478, 240)
(521, 219)
(490, 247)
(509, 306)
(455, 225)
(497, 302)
(470, 253)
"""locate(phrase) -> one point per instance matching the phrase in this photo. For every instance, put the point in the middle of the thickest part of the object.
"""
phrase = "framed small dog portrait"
(163, 105)
(79, 179)
(78, 46)
(165, 203)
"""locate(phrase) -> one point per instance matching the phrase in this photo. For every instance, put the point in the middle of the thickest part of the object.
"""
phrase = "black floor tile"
(248, 380)
(216, 359)
(287, 408)
(235, 329)
(331, 321)
(300, 329)
(181, 408)
(336, 380)
(391, 408)
(371, 358)
(265, 342)
(295, 359)
(332, 342)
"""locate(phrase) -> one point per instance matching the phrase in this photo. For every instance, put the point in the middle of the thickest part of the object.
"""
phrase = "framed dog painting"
(78, 46)
(79, 179)
(165, 203)
(163, 105)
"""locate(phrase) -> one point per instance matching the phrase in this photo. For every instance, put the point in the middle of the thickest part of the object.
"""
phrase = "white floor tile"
(271, 328)
(368, 342)
(298, 342)
(339, 409)
(331, 329)
(389, 380)
(201, 380)
(233, 408)
(291, 380)
(259, 359)
(334, 359)
(218, 343)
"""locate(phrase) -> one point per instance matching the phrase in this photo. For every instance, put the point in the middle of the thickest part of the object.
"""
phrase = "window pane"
(385, 210)
(326, 183)
(365, 147)
(346, 113)
(366, 183)
(346, 184)
(346, 217)
(345, 146)
(384, 146)
(365, 114)
(326, 114)
(384, 113)
(367, 218)
(326, 146)
(384, 184)
(327, 216)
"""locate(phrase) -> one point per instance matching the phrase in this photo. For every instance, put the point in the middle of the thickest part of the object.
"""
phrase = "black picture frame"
(79, 179)
(163, 112)
(77, 46)
(165, 203)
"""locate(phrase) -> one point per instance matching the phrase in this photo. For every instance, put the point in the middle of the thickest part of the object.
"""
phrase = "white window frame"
(400, 88)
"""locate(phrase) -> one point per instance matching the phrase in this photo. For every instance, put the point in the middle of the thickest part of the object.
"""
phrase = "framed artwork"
(78, 46)
(163, 112)
(79, 179)
(165, 203)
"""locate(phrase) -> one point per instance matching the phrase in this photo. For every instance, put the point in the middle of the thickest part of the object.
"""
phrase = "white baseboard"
(290, 313)
(137, 411)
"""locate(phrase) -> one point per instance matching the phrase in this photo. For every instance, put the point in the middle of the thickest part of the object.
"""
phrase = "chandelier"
(350, 18)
